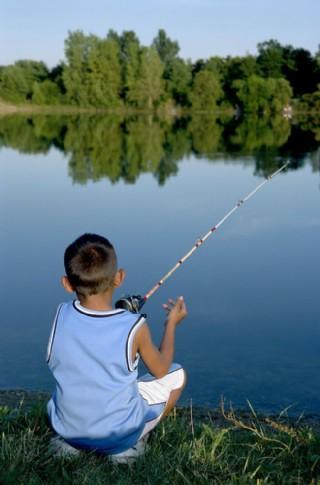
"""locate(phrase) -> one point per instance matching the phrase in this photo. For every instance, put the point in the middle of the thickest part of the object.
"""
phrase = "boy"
(93, 353)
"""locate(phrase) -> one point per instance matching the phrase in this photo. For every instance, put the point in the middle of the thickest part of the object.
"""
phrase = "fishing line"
(135, 303)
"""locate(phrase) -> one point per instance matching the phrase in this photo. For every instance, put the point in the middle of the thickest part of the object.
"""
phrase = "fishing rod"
(134, 303)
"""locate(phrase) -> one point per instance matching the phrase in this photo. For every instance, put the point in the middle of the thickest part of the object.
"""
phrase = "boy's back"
(96, 398)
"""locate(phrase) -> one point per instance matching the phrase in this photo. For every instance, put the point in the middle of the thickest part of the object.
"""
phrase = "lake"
(153, 186)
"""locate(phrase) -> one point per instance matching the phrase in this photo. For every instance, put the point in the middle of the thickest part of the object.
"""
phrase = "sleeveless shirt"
(96, 403)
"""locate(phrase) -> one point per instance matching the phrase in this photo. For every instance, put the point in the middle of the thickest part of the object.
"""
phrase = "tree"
(129, 45)
(148, 88)
(167, 49)
(56, 76)
(75, 75)
(270, 58)
(301, 70)
(104, 75)
(92, 74)
(206, 91)
(179, 80)
(46, 92)
(258, 95)
(177, 72)
(236, 68)
(17, 80)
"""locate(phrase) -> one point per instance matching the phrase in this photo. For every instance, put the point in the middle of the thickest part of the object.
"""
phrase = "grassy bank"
(190, 447)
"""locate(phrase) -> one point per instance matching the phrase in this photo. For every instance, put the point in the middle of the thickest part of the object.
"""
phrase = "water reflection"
(121, 148)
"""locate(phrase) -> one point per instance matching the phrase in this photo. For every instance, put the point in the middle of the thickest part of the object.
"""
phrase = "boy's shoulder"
(74, 308)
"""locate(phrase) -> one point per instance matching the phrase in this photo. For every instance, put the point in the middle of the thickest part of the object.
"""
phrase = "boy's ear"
(119, 278)
(66, 284)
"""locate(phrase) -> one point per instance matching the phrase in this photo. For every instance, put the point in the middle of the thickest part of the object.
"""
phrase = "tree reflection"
(122, 148)
(95, 148)
(205, 133)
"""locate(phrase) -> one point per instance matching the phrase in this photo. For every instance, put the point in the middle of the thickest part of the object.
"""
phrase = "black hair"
(91, 264)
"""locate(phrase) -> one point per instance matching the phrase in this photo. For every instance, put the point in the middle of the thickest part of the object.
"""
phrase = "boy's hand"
(176, 310)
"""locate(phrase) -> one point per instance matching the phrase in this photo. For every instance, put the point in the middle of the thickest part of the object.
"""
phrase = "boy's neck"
(100, 302)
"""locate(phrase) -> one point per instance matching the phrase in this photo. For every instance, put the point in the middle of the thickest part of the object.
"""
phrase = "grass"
(182, 450)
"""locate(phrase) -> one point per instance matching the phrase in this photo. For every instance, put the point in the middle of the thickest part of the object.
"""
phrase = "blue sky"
(36, 29)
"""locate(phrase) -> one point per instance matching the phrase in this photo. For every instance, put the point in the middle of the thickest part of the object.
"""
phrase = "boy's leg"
(174, 397)
(161, 394)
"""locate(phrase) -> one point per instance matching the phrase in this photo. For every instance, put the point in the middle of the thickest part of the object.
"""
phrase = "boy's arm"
(158, 361)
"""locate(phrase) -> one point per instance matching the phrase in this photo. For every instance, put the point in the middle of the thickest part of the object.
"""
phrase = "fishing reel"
(132, 303)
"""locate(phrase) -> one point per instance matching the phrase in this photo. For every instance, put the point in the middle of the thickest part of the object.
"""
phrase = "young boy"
(93, 353)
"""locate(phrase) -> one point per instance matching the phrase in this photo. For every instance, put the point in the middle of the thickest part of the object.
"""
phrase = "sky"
(36, 29)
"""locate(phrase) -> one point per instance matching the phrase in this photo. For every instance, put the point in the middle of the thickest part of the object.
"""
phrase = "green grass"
(182, 450)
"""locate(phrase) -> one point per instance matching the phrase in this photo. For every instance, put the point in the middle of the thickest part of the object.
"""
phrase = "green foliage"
(311, 102)
(270, 58)
(75, 74)
(18, 80)
(148, 87)
(217, 65)
(179, 80)
(130, 63)
(301, 70)
(118, 72)
(177, 72)
(104, 76)
(236, 68)
(92, 76)
(309, 112)
(46, 92)
(166, 48)
(206, 91)
(264, 96)
(296, 65)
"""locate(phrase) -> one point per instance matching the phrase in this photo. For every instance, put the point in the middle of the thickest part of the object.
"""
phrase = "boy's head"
(91, 266)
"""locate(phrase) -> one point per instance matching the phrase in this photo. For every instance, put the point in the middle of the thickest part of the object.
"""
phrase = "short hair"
(91, 264)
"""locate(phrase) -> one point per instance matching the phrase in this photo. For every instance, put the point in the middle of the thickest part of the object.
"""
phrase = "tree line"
(121, 148)
(118, 72)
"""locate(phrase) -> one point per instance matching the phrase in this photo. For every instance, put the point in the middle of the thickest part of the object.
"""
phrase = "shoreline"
(7, 108)
(24, 400)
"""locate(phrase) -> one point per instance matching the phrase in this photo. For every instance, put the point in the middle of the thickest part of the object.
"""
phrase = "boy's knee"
(184, 373)
(181, 375)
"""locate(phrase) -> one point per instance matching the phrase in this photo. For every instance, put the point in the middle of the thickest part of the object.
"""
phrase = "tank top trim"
(53, 333)
(133, 365)
(95, 313)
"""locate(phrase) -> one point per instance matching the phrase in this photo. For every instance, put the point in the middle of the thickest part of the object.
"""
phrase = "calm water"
(153, 187)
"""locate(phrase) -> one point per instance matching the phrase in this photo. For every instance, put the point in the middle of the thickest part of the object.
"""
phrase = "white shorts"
(157, 392)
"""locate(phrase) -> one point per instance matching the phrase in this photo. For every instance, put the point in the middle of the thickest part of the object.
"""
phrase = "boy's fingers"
(181, 302)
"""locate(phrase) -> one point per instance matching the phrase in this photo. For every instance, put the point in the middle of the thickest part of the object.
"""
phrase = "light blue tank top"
(96, 403)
